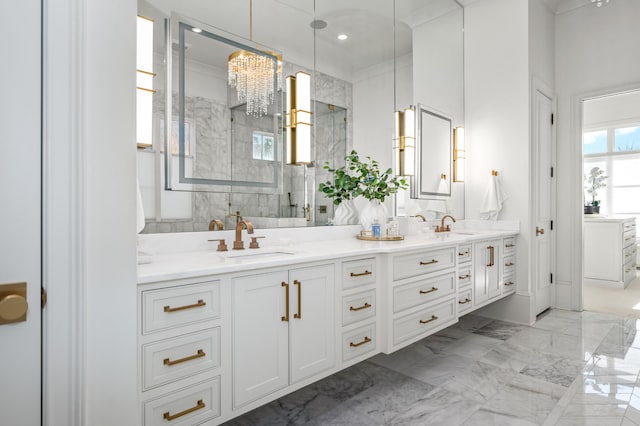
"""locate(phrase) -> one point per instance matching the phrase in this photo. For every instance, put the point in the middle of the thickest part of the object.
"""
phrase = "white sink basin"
(255, 254)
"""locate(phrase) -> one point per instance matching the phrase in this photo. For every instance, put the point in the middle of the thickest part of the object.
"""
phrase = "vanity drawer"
(465, 301)
(464, 253)
(357, 273)
(509, 284)
(629, 238)
(174, 359)
(630, 254)
(464, 276)
(423, 291)
(187, 407)
(358, 342)
(423, 321)
(176, 306)
(509, 245)
(358, 307)
(629, 226)
(411, 265)
(629, 273)
(509, 265)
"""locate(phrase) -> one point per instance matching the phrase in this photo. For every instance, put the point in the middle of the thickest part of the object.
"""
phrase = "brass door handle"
(464, 253)
(464, 277)
(168, 416)
(364, 341)
(463, 302)
(429, 263)
(359, 308)
(508, 264)
(360, 274)
(299, 284)
(429, 291)
(433, 318)
(509, 283)
(539, 231)
(200, 354)
(198, 304)
(286, 301)
(509, 245)
(491, 253)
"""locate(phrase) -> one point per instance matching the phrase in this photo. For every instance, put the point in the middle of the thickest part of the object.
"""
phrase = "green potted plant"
(344, 188)
(363, 177)
(594, 180)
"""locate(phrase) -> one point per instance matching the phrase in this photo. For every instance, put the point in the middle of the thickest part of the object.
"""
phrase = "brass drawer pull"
(360, 274)
(433, 318)
(509, 283)
(200, 303)
(429, 263)
(286, 301)
(464, 302)
(200, 354)
(508, 264)
(168, 416)
(299, 284)
(359, 308)
(364, 342)
(464, 277)
(509, 245)
(429, 291)
(464, 253)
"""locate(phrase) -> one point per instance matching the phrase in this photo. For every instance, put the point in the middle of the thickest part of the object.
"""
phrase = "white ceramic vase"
(373, 211)
(345, 213)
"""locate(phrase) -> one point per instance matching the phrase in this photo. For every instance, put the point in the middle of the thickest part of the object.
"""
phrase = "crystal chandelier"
(599, 2)
(252, 75)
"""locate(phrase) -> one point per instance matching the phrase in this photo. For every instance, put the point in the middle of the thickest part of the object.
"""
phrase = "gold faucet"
(216, 223)
(237, 216)
(238, 244)
(443, 228)
(424, 219)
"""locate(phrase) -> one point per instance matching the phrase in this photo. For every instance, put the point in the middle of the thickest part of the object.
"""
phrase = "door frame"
(538, 85)
(577, 213)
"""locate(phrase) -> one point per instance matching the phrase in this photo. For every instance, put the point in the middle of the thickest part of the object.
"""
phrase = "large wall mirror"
(221, 159)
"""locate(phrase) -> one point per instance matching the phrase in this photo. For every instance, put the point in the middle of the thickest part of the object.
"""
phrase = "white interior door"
(543, 196)
(20, 214)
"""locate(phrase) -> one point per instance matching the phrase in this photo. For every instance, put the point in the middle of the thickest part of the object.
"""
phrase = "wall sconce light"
(458, 154)
(144, 82)
(298, 118)
(405, 142)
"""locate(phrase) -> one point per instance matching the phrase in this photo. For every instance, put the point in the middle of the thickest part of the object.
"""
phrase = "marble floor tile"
(633, 411)
(473, 346)
(499, 329)
(599, 398)
(439, 407)
(595, 410)
(592, 421)
(524, 404)
(627, 422)
(602, 365)
(484, 417)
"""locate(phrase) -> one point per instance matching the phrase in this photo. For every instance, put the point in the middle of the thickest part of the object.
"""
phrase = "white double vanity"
(221, 333)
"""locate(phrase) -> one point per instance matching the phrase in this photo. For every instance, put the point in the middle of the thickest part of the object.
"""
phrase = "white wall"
(596, 53)
(497, 123)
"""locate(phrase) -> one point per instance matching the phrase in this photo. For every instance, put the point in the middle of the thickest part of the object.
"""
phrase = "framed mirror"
(434, 149)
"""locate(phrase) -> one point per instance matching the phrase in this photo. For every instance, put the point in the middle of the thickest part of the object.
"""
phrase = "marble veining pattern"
(584, 371)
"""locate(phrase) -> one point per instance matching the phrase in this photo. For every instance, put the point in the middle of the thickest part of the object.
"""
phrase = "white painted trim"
(575, 143)
(63, 214)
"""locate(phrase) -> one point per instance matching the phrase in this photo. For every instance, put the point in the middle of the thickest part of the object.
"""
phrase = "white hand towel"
(439, 206)
(493, 200)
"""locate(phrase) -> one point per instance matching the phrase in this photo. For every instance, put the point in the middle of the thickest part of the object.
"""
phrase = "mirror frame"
(417, 190)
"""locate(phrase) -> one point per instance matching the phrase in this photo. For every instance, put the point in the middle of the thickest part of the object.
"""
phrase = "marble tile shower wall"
(213, 149)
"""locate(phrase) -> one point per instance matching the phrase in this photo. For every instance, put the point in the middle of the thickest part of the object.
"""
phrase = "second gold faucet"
(242, 224)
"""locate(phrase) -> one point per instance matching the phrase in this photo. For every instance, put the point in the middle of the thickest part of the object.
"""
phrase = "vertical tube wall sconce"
(458, 154)
(144, 82)
(298, 118)
(405, 142)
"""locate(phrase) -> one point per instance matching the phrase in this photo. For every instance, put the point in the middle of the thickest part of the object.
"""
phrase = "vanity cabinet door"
(487, 281)
(312, 321)
(260, 336)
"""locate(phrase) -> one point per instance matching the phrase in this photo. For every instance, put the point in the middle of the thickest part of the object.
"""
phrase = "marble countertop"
(164, 266)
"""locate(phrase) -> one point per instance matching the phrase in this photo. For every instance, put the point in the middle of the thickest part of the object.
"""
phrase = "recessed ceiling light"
(196, 30)
(343, 37)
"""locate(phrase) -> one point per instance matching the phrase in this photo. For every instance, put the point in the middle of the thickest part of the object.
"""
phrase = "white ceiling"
(285, 25)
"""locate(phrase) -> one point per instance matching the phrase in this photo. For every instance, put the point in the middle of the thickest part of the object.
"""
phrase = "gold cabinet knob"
(12, 307)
